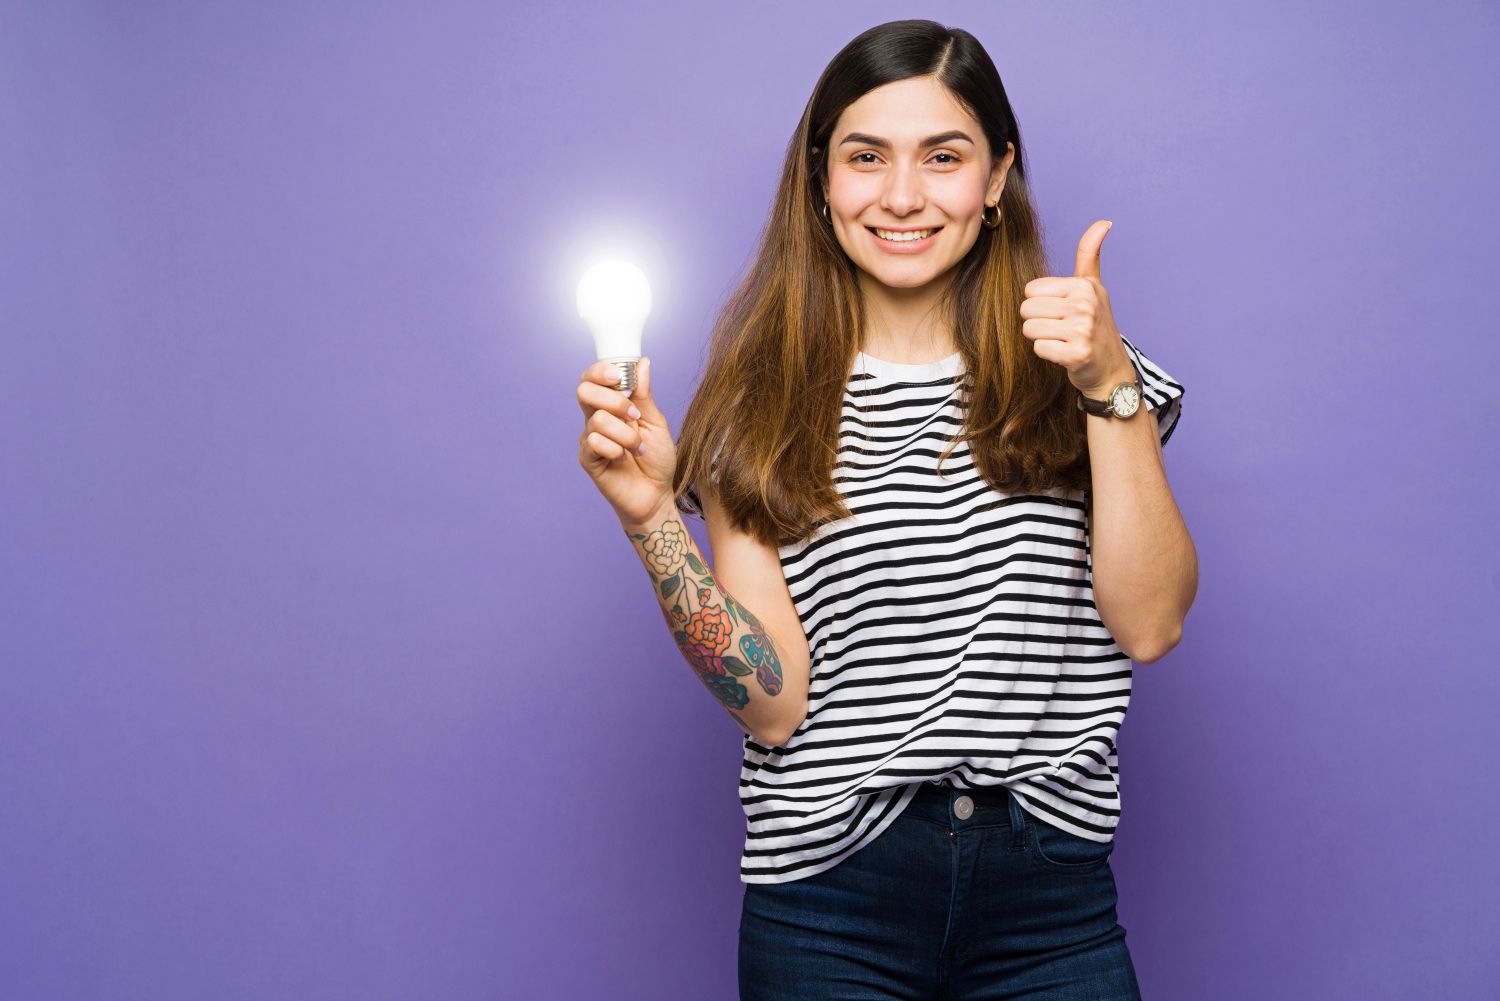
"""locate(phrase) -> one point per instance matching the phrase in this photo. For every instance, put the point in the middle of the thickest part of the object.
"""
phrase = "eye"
(858, 158)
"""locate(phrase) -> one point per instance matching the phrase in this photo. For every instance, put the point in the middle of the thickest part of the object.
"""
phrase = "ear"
(824, 184)
(1000, 172)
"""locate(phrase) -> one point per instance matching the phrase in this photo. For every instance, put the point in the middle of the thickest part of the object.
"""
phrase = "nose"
(903, 190)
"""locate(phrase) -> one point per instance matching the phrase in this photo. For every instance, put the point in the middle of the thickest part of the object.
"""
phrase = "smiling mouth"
(904, 236)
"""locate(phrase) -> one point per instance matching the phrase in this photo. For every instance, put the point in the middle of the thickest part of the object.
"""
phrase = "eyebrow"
(869, 140)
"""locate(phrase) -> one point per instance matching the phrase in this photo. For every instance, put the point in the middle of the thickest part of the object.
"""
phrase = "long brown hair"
(763, 425)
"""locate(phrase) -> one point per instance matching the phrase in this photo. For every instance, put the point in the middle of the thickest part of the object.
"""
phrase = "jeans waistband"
(943, 803)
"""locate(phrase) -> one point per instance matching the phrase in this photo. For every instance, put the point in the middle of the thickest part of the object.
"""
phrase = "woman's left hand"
(1069, 322)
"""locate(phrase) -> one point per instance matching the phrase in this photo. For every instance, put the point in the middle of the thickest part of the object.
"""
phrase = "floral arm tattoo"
(719, 637)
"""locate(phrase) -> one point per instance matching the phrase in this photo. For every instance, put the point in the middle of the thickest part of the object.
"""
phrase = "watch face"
(1126, 399)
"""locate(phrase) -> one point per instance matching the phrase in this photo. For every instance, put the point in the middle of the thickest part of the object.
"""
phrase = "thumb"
(1087, 263)
(642, 396)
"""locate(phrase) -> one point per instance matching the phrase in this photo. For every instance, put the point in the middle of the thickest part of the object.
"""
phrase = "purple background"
(326, 673)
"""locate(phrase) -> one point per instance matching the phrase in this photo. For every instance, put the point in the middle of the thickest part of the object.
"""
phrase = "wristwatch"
(1124, 400)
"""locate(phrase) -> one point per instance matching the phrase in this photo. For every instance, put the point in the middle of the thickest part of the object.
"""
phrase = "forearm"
(727, 647)
(1145, 567)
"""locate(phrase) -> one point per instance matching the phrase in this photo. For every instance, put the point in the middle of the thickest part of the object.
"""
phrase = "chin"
(907, 279)
(905, 282)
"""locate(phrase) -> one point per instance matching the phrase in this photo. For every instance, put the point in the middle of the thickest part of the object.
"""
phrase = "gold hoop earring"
(826, 217)
(984, 216)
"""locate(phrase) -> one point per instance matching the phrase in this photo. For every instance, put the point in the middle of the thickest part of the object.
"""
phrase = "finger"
(605, 373)
(642, 379)
(1053, 351)
(592, 396)
(1044, 330)
(615, 429)
(1051, 285)
(1044, 307)
(1086, 265)
(602, 447)
(594, 375)
(645, 400)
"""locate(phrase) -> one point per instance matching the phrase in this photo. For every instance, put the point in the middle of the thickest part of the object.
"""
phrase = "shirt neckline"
(891, 371)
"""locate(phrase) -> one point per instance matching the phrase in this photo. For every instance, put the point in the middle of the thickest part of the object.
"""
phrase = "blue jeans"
(944, 907)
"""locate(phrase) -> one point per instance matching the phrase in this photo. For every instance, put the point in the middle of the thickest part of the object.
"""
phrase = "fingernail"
(640, 449)
(633, 412)
(612, 372)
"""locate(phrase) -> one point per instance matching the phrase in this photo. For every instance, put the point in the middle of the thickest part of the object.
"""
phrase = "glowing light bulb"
(614, 299)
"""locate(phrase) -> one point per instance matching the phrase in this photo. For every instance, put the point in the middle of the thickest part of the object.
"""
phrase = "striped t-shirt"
(953, 635)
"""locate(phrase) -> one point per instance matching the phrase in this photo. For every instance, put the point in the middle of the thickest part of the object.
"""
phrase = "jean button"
(963, 808)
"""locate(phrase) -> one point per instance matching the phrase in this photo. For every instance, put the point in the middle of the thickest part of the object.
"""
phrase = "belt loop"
(1017, 821)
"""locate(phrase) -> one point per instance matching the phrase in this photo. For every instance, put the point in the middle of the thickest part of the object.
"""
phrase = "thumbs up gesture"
(1069, 322)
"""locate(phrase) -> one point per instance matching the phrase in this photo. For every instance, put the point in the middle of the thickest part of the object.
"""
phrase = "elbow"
(1156, 647)
(785, 732)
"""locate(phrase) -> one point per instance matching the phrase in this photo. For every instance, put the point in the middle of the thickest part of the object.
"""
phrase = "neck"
(905, 325)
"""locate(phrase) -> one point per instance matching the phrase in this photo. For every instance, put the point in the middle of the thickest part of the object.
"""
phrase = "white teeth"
(920, 234)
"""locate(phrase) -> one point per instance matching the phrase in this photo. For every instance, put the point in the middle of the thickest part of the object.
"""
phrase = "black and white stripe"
(953, 634)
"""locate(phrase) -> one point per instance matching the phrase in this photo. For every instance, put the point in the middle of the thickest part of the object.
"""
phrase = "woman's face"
(884, 174)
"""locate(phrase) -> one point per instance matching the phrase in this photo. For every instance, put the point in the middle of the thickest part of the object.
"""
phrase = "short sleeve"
(1159, 391)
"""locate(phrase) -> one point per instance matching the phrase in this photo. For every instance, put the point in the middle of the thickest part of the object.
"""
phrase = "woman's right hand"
(637, 486)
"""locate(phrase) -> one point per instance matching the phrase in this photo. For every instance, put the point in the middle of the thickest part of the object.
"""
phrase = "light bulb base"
(627, 374)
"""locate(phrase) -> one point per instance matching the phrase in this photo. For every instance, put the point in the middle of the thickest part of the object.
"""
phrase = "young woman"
(932, 478)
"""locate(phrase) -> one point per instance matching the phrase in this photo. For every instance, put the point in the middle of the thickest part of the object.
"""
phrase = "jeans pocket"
(1062, 851)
